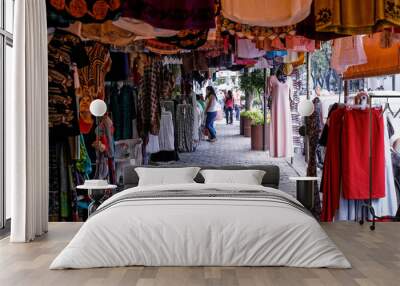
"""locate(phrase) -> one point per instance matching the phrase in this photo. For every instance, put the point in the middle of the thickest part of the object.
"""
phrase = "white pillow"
(246, 177)
(166, 176)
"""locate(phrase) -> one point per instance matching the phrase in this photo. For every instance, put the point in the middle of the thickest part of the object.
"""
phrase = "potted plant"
(257, 127)
(246, 122)
(243, 116)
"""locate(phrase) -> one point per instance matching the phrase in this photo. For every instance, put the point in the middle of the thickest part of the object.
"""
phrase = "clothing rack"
(367, 208)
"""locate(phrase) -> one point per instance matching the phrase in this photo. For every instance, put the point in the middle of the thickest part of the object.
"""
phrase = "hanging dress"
(347, 52)
(281, 133)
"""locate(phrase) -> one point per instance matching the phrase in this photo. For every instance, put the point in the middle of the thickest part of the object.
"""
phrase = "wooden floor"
(375, 257)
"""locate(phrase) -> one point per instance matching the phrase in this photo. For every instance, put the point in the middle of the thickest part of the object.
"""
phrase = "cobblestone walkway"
(233, 149)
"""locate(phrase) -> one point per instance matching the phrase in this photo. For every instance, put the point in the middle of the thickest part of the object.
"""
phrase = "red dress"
(330, 184)
(355, 155)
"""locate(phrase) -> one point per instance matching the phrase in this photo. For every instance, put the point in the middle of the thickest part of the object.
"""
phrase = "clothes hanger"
(396, 114)
(387, 107)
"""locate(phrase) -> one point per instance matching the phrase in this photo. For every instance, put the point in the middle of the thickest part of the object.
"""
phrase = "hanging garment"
(123, 110)
(158, 47)
(355, 17)
(109, 135)
(387, 206)
(88, 131)
(64, 50)
(296, 120)
(331, 176)
(187, 39)
(380, 61)
(167, 133)
(257, 33)
(92, 77)
(271, 13)
(355, 154)
(168, 83)
(299, 44)
(105, 167)
(246, 49)
(169, 105)
(54, 181)
(119, 70)
(127, 152)
(184, 127)
(84, 164)
(172, 14)
(86, 11)
(281, 133)
(274, 54)
(314, 127)
(347, 52)
(149, 109)
(153, 145)
(141, 29)
(196, 119)
(307, 28)
(108, 33)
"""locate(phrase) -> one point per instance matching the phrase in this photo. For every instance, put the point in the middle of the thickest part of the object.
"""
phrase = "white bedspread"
(191, 231)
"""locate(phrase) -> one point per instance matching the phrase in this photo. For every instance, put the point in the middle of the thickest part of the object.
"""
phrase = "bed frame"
(271, 178)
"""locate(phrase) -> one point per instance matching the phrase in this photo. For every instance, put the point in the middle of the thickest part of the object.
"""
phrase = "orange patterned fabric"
(86, 11)
(381, 61)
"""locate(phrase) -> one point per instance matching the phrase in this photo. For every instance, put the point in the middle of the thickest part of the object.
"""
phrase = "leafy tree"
(252, 83)
(321, 72)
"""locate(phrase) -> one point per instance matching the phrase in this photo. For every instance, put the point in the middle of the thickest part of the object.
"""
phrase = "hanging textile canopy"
(270, 13)
(172, 14)
(108, 33)
(61, 13)
(187, 39)
(380, 60)
(355, 17)
(143, 29)
(346, 52)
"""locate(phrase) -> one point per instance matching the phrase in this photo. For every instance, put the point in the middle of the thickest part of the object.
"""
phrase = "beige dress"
(281, 131)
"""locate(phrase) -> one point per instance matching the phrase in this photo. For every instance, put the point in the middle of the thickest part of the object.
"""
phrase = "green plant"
(252, 83)
(257, 117)
(245, 114)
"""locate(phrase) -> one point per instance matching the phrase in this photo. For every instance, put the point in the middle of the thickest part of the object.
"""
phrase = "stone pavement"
(233, 149)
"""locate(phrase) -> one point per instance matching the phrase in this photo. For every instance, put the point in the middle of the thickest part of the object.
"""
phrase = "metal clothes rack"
(367, 208)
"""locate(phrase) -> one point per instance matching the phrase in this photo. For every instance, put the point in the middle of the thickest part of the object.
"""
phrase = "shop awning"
(381, 61)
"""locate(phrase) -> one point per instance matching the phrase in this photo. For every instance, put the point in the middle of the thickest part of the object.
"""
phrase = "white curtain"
(27, 124)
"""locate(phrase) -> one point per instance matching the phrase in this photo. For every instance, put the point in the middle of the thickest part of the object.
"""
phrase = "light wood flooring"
(375, 257)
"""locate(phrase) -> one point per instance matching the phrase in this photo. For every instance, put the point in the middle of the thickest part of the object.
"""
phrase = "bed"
(199, 224)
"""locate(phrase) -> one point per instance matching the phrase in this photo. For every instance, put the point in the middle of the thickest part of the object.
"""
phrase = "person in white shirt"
(211, 112)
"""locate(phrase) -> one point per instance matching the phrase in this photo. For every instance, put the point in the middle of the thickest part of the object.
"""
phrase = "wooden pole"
(265, 111)
(306, 138)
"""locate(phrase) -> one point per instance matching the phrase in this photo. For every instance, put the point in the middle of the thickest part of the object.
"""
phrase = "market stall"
(143, 60)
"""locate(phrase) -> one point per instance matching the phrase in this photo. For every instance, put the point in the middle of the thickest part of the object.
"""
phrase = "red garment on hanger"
(355, 155)
(331, 177)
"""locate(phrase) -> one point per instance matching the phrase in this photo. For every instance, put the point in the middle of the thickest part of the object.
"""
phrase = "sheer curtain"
(27, 124)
